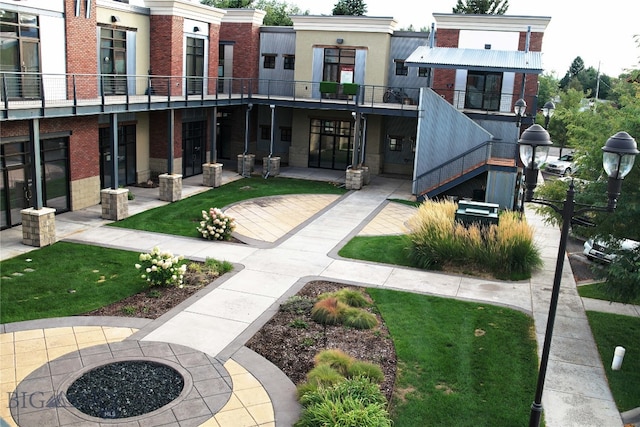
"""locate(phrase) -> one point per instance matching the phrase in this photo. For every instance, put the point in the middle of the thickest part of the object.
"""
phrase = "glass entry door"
(193, 147)
(330, 144)
(16, 190)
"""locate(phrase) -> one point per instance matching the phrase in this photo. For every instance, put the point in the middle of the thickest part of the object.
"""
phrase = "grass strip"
(385, 249)
(597, 291)
(610, 331)
(459, 363)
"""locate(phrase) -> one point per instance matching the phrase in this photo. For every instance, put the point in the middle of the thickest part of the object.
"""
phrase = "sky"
(601, 33)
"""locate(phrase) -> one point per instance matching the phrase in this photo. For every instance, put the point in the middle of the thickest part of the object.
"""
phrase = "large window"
(20, 53)
(195, 65)
(339, 66)
(126, 156)
(483, 91)
(113, 61)
(330, 144)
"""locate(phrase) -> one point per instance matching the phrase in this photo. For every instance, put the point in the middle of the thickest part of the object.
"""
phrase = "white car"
(598, 249)
(563, 166)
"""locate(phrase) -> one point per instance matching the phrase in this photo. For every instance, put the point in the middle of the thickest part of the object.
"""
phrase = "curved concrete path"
(219, 322)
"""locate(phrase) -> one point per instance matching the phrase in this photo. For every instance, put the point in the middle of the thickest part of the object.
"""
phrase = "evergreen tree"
(350, 7)
(482, 7)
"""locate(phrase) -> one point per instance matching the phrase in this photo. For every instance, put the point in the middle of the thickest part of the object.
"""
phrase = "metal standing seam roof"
(476, 59)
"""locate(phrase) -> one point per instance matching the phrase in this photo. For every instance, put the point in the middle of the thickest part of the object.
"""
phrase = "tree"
(482, 7)
(350, 7)
(576, 66)
(278, 12)
(228, 4)
(587, 131)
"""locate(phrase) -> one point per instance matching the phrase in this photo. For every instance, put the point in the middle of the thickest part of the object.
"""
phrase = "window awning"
(476, 59)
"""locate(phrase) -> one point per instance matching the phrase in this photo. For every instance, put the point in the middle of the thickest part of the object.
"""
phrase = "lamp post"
(520, 108)
(547, 111)
(618, 158)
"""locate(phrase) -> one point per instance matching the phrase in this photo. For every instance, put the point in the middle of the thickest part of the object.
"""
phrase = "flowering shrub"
(161, 268)
(215, 225)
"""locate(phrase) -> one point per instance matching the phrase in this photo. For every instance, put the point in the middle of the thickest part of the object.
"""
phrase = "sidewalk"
(220, 320)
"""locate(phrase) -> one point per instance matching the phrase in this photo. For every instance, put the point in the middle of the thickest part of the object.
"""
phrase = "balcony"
(40, 95)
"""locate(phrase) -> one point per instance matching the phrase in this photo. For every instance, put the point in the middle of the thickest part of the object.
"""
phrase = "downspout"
(364, 137)
(213, 155)
(113, 142)
(246, 138)
(273, 132)
(526, 50)
(36, 164)
(171, 130)
(432, 42)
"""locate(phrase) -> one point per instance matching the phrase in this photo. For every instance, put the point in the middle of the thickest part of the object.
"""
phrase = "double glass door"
(330, 144)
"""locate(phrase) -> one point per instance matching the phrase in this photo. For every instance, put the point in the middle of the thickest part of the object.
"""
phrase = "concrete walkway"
(283, 257)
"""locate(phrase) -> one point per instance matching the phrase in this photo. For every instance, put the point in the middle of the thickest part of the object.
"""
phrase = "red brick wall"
(81, 48)
(84, 152)
(214, 50)
(444, 83)
(447, 38)
(246, 49)
(166, 59)
(158, 137)
(535, 42)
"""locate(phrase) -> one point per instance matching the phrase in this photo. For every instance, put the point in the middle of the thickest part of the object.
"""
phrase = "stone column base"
(212, 175)
(354, 179)
(115, 203)
(270, 166)
(249, 163)
(366, 175)
(38, 227)
(170, 187)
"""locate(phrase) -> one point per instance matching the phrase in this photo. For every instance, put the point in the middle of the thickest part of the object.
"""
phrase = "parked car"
(599, 250)
(563, 166)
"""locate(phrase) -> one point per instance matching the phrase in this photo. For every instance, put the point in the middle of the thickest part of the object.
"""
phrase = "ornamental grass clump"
(161, 268)
(216, 225)
(438, 241)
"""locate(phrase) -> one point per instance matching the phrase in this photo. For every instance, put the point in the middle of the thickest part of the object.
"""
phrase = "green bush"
(506, 250)
(337, 359)
(358, 318)
(371, 371)
(351, 403)
(320, 376)
(328, 311)
(297, 305)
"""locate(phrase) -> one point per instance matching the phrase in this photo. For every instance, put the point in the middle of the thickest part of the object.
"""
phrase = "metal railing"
(465, 163)
(40, 90)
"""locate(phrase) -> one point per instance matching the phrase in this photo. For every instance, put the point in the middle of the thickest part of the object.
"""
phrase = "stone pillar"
(115, 203)
(212, 175)
(170, 187)
(272, 165)
(249, 162)
(38, 227)
(366, 175)
(354, 179)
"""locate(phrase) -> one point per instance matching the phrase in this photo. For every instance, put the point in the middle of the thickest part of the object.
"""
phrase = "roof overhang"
(476, 59)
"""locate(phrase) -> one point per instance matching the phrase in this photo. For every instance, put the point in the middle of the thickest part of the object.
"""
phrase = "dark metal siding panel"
(443, 133)
(277, 81)
(501, 188)
(401, 48)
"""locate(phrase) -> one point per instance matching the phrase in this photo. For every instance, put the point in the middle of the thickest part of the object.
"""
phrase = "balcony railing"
(39, 90)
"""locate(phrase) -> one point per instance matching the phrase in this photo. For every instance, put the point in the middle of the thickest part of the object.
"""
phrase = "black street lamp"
(547, 111)
(520, 108)
(619, 155)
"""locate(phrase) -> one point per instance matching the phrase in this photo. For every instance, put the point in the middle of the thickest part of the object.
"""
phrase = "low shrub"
(328, 311)
(216, 225)
(361, 368)
(506, 250)
(161, 268)
(351, 297)
(351, 403)
(337, 359)
(298, 305)
(359, 319)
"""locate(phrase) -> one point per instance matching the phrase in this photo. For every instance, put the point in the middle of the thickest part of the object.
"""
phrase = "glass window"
(269, 61)
(285, 134)
(483, 90)
(423, 72)
(401, 69)
(395, 143)
(289, 62)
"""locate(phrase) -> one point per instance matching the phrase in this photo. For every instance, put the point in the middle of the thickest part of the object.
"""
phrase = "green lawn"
(66, 279)
(182, 217)
(610, 331)
(459, 363)
(596, 291)
(386, 249)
